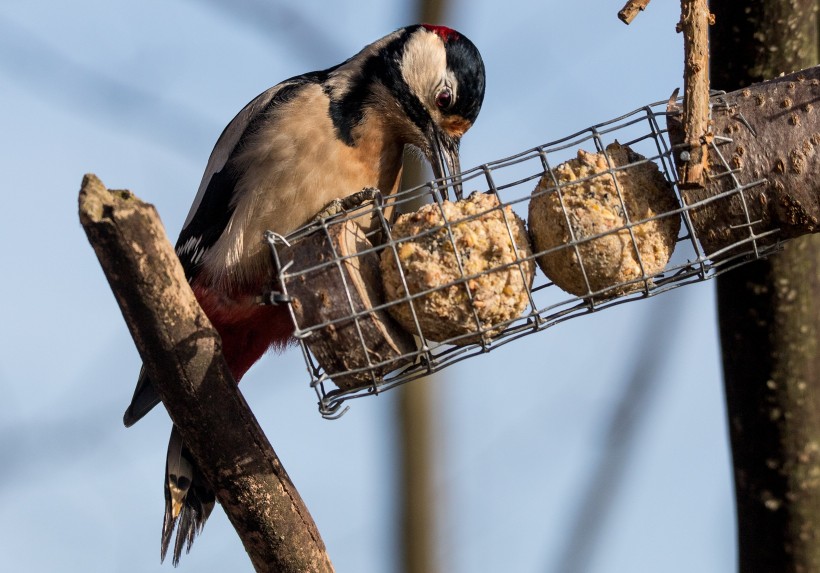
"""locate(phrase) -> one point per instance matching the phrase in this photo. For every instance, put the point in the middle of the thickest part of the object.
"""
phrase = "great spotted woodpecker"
(291, 151)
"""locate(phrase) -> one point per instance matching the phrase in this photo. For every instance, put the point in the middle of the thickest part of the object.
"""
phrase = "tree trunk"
(769, 322)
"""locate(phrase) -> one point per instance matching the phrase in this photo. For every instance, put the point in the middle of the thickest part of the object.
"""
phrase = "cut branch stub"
(762, 166)
(631, 9)
(335, 303)
(182, 355)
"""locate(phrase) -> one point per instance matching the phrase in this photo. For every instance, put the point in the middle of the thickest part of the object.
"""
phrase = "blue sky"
(138, 93)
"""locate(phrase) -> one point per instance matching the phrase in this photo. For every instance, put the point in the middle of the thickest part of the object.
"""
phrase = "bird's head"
(445, 74)
(425, 82)
(444, 77)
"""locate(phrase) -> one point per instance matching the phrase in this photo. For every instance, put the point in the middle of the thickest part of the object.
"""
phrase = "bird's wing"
(216, 199)
(213, 206)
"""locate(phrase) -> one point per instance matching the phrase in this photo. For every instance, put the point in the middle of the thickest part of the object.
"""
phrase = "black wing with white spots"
(215, 203)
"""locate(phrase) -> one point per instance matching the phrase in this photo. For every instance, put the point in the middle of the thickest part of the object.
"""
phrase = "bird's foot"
(349, 203)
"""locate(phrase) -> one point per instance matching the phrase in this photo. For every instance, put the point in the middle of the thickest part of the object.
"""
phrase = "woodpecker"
(291, 151)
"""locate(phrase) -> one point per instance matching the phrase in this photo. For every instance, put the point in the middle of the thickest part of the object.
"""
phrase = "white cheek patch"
(424, 64)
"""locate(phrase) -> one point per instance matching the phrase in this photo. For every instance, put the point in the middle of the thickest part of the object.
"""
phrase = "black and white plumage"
(291, 151)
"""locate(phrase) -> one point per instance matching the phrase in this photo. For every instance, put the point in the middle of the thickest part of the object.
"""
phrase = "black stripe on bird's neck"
(383, 68)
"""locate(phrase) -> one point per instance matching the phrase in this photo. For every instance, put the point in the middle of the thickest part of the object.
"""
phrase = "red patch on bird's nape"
(445, 33)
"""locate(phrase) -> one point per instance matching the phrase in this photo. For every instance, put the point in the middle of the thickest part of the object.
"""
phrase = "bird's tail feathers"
(189, 499)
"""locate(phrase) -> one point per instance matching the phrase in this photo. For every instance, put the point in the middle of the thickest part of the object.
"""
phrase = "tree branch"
(182, 354)
(694, 24)
(771, 136)
(631, 9)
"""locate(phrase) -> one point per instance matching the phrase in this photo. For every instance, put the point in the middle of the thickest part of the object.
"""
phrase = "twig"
(631, 9)
(694, 23)
(182, 354)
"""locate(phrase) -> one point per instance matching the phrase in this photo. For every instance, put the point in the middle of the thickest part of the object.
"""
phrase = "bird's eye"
(444, 98)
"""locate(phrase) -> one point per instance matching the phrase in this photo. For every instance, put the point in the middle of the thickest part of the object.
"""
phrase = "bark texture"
(329, 294)
(769, 318)
(631, 9)
(182, 353)
(774, 128)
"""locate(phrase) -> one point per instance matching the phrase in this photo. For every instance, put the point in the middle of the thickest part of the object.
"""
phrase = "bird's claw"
(344, 204)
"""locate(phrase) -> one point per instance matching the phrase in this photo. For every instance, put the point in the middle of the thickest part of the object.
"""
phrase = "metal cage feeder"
(340, 252)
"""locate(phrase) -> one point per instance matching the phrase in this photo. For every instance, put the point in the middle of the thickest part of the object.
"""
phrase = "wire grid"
(512, 180)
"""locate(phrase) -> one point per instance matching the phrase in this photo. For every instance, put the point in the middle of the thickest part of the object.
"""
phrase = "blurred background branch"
(616, 445)
(418, 433)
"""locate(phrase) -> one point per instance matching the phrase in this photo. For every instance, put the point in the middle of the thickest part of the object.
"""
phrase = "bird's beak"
(445, 160)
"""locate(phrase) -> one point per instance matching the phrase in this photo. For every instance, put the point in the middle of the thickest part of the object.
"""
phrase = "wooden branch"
(332, 293)
(694, 24)
(182, 353)
(771, 136)
(631, 9)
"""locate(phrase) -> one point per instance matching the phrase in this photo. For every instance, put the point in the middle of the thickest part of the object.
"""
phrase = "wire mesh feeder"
(609, 222)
